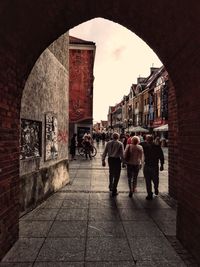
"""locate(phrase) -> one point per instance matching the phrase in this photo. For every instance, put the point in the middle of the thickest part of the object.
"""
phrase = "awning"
(163, 128)
(138, 129)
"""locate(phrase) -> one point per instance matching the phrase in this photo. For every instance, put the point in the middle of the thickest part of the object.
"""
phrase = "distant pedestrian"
(115, 151)
(129, 141)
(87, 145)
(140, 137)
(152, 155)
(126, 139)
(157, 141)
(134, 155)
(103, 138)
(73, 144)
(143, 142)
(97, 138)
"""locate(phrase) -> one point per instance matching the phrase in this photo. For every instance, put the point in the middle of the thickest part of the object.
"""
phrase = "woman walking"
(133, 156)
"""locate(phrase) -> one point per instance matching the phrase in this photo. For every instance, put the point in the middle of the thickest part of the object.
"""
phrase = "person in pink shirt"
(134, 158)
(129, 141)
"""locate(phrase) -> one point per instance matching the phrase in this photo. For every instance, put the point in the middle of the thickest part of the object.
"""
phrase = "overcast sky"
(121, 57)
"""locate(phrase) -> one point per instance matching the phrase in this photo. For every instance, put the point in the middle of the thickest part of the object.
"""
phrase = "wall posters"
(51, 136)
(31, 133)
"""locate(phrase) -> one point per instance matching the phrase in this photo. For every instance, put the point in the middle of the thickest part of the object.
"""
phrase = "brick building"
(81, 63)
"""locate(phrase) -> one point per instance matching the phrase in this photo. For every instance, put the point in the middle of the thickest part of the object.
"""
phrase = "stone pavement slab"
(68, 229)
(34, 228)
(59, 264)
(141, 229)
(107, 249)
(25, 250)
(160, 264)
(152, 249)
(72, 214)
(111, 264)
(106, 229)
(62, 249)
(17, 264)
(41, 214)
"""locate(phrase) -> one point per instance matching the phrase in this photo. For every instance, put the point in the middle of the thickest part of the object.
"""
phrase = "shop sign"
(158, 122)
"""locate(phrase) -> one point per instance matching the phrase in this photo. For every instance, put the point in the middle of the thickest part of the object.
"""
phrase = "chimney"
(153, 70)
(140, 79)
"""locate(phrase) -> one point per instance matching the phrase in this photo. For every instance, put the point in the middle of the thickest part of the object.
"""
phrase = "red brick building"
(81, 63)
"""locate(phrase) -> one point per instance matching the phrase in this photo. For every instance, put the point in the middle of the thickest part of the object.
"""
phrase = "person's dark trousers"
(87, 153)
(151, 173)
(114, 173)
(132, 173)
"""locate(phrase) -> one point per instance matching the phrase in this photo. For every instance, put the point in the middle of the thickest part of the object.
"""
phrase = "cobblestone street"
(82, 225)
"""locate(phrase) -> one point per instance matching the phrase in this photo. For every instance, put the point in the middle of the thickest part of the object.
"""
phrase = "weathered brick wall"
(173, 144)
(188, 214)
(81, 84)
(9, 149)
(46, 90)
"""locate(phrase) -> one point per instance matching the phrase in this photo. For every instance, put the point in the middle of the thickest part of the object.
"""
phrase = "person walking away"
(124, 144)
(97, 138)
(103, 138)
(143, 142)
(129, 141)
(134, 155)
(87, 146)
(152, 155)
(127, 135)
(91, 140)
(140, 137)
(157, 141)
(115, 151)
(73, 144)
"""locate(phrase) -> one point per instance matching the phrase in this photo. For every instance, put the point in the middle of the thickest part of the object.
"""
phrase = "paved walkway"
(82, 225)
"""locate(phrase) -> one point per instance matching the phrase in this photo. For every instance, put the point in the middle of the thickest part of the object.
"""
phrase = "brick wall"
(173, 145)
(9, 151)
(188, 215)
(81, 84)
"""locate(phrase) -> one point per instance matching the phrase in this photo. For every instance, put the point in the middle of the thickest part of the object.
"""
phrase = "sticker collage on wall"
(51, 136)
(31, 138)
(31, 133)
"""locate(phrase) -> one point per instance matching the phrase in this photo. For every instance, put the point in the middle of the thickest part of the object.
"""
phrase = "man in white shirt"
(115, 151)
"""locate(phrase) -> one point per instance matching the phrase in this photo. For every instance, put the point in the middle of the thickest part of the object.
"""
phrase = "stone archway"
(171, 29)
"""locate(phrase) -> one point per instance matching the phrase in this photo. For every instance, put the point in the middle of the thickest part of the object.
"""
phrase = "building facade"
(146, 105)
(81, 78)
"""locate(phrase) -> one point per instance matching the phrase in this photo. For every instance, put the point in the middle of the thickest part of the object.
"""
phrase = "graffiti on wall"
(51, 136)
(31, 132)
(62, 136)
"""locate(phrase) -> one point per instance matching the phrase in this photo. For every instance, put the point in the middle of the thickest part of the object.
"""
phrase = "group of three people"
(134, 155)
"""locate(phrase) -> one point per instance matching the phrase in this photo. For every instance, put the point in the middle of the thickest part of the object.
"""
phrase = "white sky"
(121, 57)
